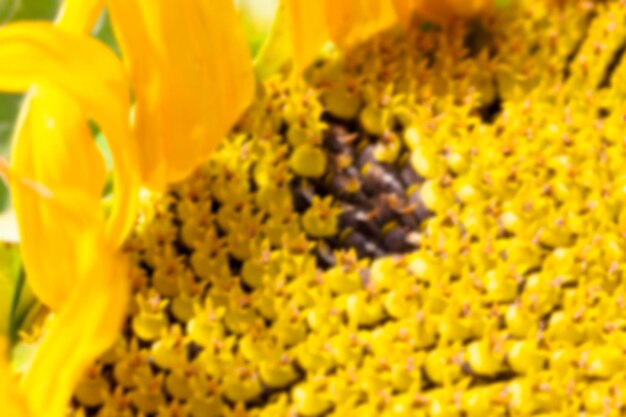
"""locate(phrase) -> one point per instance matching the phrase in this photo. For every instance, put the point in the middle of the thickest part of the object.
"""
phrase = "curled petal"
(92, 312)
(192, 78)
(93, 308)
(53, 147)
(84, 328)
(85, 70)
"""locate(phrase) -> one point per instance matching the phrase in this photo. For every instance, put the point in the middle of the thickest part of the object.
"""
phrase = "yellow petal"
(277, 49)
(53, 147)
(80, 16)
(308, 28)
(405, 10)
(298, 34)
(438, 11)
(85, 70)
(353, 21)
(192, 78)
(84, 328)
(89, 319)
(468, 8)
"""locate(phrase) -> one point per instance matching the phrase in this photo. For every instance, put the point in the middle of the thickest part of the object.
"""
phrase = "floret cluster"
(432, 225)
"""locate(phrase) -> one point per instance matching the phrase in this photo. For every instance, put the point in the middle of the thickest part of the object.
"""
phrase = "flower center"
(434, 225)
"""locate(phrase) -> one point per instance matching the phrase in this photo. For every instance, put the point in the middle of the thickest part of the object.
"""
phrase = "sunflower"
(425, 219)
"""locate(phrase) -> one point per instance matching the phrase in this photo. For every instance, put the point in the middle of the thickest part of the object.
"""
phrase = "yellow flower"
(467, 312)
(188, 69)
